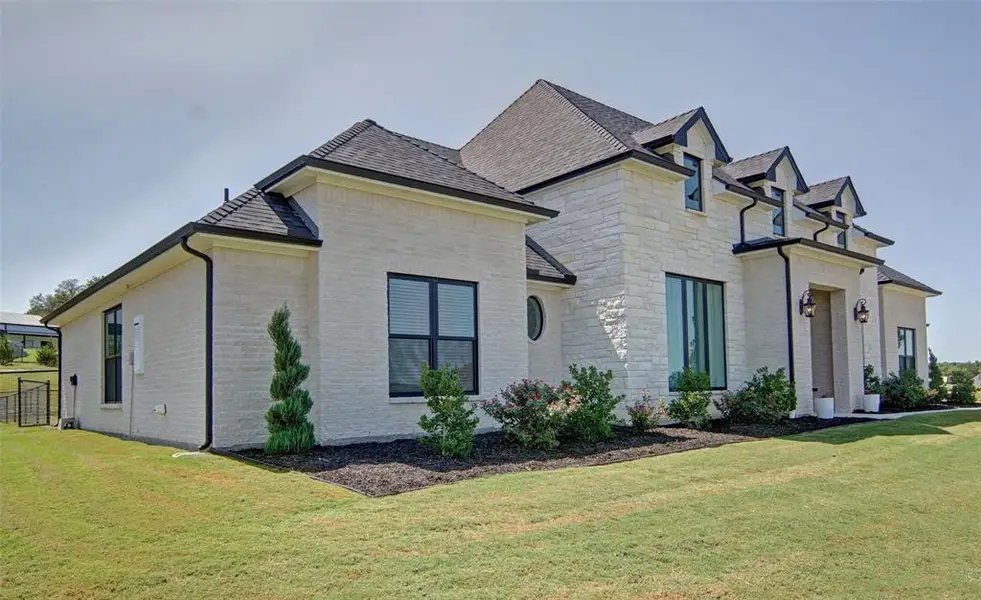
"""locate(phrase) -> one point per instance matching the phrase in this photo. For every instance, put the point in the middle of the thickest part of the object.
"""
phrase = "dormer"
(775, 175)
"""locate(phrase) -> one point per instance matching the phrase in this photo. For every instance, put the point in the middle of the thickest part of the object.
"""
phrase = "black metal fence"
(30, 405)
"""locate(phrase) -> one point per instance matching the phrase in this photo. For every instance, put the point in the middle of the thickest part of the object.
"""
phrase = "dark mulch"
(379, 469)
(894, 409)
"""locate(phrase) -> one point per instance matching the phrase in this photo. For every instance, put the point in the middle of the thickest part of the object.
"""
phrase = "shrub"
(694, 394)
(645, 413)
(936, 377)
(589, 404)
(289, 429)
(46, 356)
(6, 350)
(530, 413)
(450, 427)
(766, 398)
(961, 387)
(903, 392)
(873, 385)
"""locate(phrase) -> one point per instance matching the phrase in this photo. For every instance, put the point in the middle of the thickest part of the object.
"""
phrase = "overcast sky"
(119, 123)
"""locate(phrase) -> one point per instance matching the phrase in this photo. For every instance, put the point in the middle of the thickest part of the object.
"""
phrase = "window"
(907, 349)
(779, 224)
(696, 329)
(536, 318)
(693, 185)
(112, 355)
(432, 321)
(842, 239)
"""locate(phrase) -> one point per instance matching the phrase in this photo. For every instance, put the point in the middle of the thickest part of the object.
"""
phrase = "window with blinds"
(432, 321)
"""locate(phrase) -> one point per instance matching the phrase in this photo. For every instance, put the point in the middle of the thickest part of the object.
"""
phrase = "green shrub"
(645, 413)
(690, 407)
(961, 387)
(589, 404)
(873, 384)
(6, 350)
(46, 356)
(766, 398)
(450, 428)
(903, 392)
(289, 430)
(530, 413)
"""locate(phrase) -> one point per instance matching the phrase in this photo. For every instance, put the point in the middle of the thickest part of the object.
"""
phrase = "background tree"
(961, 387)
(936, 377)
(42, 304)
(289, 429)
(6, 350)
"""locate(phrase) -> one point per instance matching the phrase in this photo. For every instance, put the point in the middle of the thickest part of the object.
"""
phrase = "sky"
(121, 122)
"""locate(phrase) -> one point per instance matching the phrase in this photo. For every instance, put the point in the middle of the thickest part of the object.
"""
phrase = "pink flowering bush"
(589, 404)
(645, 413)
(530, 413)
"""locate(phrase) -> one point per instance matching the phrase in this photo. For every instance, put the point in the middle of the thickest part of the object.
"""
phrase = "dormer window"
(779, 220)
(693, 185)
(842, 239)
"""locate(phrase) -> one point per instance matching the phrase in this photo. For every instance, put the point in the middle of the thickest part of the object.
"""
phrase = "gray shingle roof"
(889, 275)
(543, 266)
(663, 129)
(550, 131)
(830, 192)
(368, 145)
(257, 211)
(753, 165)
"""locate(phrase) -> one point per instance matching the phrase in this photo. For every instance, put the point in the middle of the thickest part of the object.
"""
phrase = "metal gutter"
(790, 313)
(209, 328)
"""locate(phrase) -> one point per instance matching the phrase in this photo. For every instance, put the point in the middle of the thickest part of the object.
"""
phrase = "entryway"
(829, 351)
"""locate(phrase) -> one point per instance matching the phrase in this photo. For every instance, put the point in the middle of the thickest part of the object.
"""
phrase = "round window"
(536, 318)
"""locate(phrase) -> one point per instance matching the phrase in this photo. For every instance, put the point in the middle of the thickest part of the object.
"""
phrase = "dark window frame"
(541, 312)
(906, 361)
(433, 338)
(684, 329)
(780, 213)
(117, 359)
(698, 178)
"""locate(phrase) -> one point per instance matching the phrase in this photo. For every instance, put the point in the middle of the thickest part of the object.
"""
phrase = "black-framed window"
(693, 185)
(779, 220)
(536, 318)
(112, 355)
(842, 238)
(696, 328)
(907, 349)
(432, 321)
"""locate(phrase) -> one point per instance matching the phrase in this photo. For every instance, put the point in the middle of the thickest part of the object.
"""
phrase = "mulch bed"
(892, 409)
(380, 469)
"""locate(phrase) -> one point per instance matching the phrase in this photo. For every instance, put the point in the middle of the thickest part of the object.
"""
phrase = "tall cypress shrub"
(289, 430)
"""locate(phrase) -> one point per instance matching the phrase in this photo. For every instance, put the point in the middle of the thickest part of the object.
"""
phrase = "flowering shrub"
(530, 413)
(645, 413)
(589, 404)
(766, 398)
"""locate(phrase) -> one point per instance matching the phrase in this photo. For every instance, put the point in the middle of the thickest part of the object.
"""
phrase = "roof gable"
(829, 193)
(676, 129)
(764, 166)
(262, 212)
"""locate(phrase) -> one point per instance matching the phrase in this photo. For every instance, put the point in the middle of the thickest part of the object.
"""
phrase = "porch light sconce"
(807, 304)
(861, 313)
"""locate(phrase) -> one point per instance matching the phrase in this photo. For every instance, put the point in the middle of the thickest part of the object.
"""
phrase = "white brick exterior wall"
(172, 305)
(545, 353)
(902, 307)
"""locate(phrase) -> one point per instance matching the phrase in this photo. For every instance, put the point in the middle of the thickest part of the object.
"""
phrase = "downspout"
(742, 221)
(209, 326)
(60, 389)
(790, 312)
(820, 231)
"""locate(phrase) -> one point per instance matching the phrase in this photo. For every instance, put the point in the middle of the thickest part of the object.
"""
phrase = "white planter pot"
(825, 408)
(870, 403)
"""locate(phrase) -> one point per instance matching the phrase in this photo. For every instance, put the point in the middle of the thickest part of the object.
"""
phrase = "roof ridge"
(843, 178)
(602, 130)
(411, 140)
(781, 149)
(333, 144)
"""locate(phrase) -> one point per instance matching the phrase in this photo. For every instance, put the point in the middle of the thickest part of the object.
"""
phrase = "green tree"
(42, 304)
(289, 429)
(936, 377)
(6, 350)
(450, 427)
(961, 387)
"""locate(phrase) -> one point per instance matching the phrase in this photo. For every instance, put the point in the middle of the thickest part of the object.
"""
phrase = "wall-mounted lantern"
(861, 313)
(807, 304)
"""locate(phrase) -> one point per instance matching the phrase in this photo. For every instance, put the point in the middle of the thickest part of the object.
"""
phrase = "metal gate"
(30, 405)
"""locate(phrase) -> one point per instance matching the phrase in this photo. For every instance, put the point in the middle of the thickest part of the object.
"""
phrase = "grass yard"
(889, 509)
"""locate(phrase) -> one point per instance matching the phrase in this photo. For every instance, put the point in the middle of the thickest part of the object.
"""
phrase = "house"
(565, 231)
(977, 381)
(25, 332)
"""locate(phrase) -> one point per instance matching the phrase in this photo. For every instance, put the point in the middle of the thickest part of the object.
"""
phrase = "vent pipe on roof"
(226, 195)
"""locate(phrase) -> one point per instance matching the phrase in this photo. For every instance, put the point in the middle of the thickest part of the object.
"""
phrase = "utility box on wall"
(138, 344)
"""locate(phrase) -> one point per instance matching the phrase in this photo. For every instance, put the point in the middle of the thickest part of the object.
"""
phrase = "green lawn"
(889, 510)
